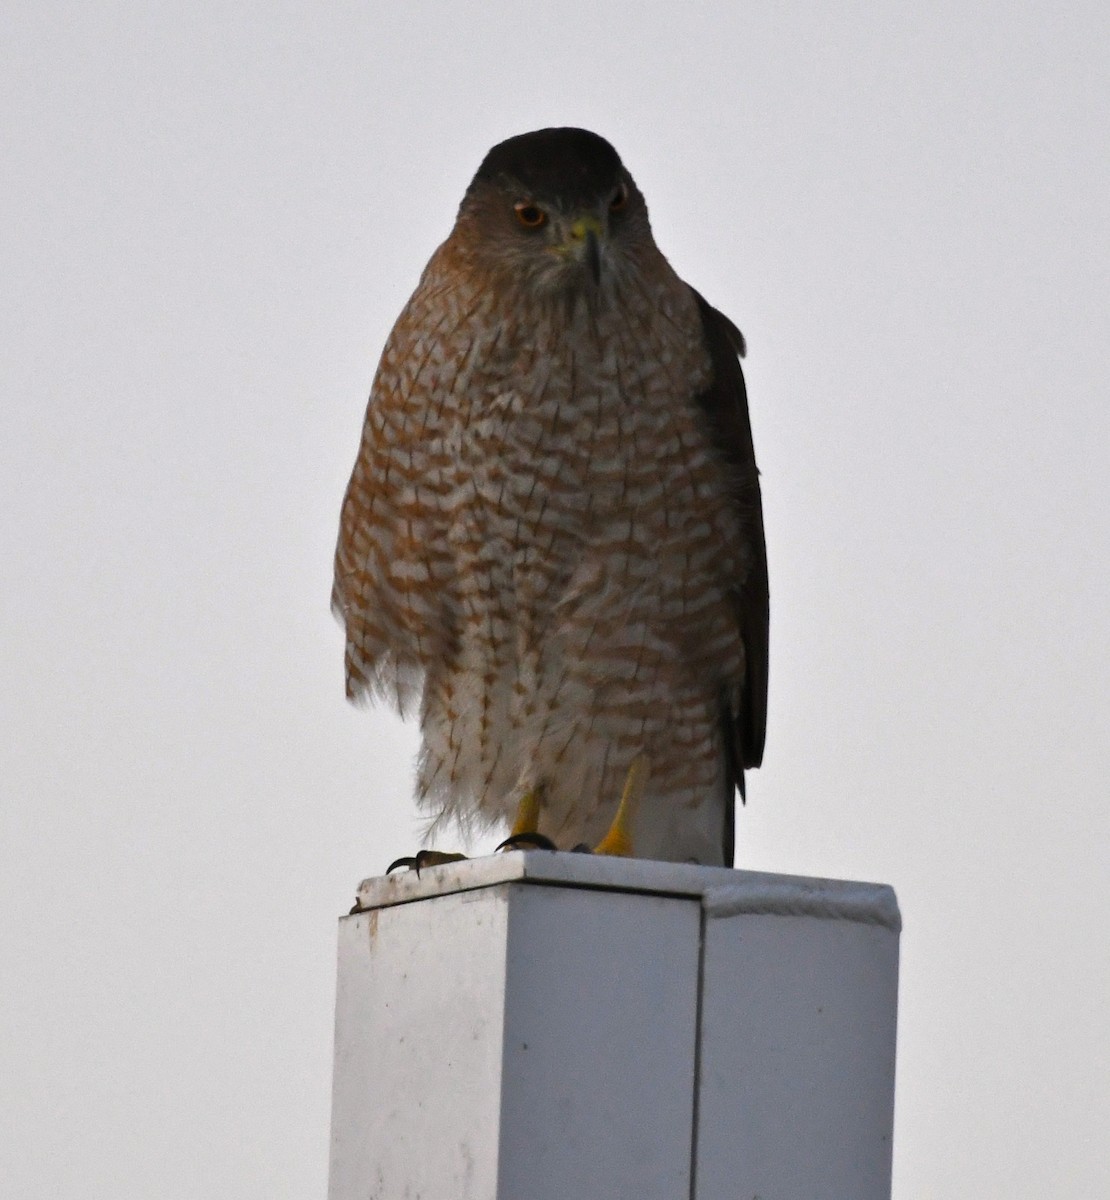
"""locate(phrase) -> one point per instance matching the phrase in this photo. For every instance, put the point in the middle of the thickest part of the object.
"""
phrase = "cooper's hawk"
(552, 541)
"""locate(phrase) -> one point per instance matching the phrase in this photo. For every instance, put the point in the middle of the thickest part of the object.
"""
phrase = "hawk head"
(554, 210)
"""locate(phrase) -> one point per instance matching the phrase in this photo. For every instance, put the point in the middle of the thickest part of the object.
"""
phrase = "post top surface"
(721, 890)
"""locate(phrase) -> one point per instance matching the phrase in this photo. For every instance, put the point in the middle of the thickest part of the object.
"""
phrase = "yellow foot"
(618, 841)
(525, 841)
(525, 833)
(424, 858)
(527, 814)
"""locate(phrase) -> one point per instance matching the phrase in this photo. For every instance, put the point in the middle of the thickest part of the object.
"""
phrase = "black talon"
(424, 858)
(581, 848)
(529, 841)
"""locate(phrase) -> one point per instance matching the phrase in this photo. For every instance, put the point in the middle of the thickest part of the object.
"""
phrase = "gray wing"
(725, 405)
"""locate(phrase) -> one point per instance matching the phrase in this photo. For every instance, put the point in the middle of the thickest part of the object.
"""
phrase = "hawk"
(551, 547)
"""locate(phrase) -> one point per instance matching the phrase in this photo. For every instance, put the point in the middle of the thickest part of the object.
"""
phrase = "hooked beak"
(585, 241)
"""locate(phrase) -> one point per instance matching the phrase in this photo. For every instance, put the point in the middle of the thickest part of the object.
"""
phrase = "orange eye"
(619, 200)
(531, 216)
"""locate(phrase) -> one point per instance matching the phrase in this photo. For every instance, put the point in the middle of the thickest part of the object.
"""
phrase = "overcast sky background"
(209, 219)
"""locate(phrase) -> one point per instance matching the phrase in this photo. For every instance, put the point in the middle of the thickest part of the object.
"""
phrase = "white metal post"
(548, 1026)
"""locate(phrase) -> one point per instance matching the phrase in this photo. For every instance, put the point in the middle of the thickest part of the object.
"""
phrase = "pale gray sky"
(209, 218)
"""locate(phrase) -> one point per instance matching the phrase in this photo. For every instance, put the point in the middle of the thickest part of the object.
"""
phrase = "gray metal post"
(565, 1027)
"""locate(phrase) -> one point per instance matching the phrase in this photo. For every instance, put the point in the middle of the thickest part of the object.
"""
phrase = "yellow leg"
(618, 841)
(527, 814)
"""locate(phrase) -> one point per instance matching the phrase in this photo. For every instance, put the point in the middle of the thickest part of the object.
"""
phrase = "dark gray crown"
(570, 166)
